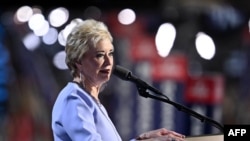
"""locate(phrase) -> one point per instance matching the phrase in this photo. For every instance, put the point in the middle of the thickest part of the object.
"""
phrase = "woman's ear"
(78, 65)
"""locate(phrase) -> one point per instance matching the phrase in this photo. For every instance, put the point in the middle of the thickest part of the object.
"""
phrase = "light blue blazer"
(77, 117)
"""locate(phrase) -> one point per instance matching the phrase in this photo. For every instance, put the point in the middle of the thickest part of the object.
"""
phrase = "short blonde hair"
(85, 34)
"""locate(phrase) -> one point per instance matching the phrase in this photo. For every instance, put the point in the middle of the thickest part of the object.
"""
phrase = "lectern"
(210, 137)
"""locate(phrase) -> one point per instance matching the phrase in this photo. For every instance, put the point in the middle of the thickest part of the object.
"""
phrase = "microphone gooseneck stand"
(142, 90)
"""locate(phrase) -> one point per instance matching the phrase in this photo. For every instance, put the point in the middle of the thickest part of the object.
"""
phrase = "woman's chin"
(105, 78)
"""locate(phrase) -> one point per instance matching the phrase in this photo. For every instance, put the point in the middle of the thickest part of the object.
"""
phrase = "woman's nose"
(108, 59)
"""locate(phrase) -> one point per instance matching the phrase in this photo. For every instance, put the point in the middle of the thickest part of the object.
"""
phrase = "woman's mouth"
(107, 71)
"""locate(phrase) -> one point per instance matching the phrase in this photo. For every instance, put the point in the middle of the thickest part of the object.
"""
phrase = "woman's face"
(97, 63)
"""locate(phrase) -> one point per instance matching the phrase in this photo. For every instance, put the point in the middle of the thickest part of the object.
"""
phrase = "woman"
(78, 114)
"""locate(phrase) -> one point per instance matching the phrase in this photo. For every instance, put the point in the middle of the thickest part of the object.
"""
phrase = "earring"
(82, 81)
(81, 77)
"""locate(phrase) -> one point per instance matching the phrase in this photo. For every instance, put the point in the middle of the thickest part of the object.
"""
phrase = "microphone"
(127, 75)
(142, 86)
(124, 73)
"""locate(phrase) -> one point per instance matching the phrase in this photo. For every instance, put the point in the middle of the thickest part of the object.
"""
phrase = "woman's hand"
(161, 135)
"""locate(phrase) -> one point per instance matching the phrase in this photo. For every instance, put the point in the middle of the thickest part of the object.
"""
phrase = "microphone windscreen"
(121, 72)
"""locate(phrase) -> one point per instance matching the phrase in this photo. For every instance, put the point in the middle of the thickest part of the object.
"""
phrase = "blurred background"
(195, 52)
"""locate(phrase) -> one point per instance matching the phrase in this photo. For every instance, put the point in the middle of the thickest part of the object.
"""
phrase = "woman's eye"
(102, 54)
(111, 53)
(99, 55)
